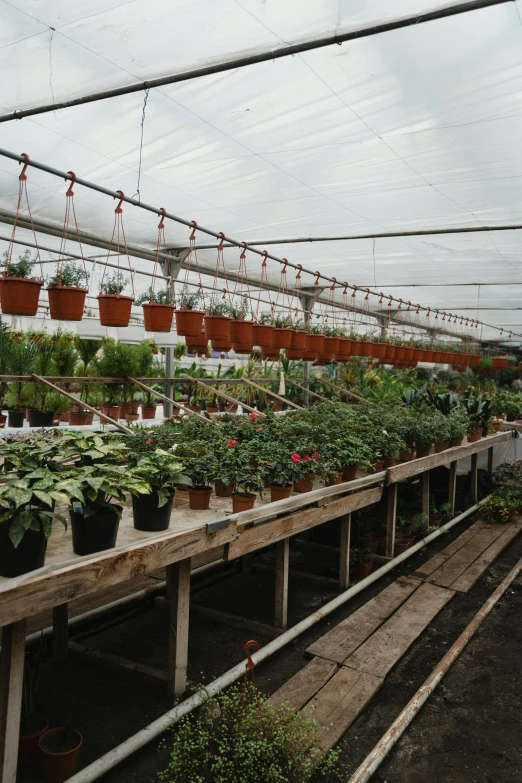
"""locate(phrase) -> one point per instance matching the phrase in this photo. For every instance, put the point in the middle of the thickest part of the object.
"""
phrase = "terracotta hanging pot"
(19, 295)
(281, 337)
(314, 342)
(310, 356)
(365, 348)
(66, 303)
(241, 331)
(217, 327)
(496, 363)
(379, 350)
(298, 339)
(355, 348)
(243, 348)
(223, 346)
(343, 352)
(330, 345)
(197, 343)
(158, 317)
(115, 309)
(400, 353)
(271, 353)
(189, 323)
(295, 354)
(262, 335)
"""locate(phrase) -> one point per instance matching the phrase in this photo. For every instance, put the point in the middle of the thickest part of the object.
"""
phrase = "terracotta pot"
(243, 502)
(344, 351)
(355, 349)
(77, 418)
(113, 411)
(379, 350)
(442, 445)
(337, 480)
(56, 766)
(223, 491)
(243, 348)
(279, 493)
(390, 352)
(400, 352)
(28, 744)
(388, 462)
(299, 340)
(310, 356)
(3, 419)
(199, 498)
(409, 354)
(189, 323)
(475, 436)
(314, 342)
(281, 337)
(224, 346)
(331, 345)
(158, 317)
(241, 331)
(406, 455)
(115, 309)
(369, 543)
(295, 354)
(132, 417)
(350, 472)
(496, 363)
(271, 353)
(303, 485)
(66, 303)
(262, 335)
(422, 451)
(365, 348)
(197, 344)
(376, 466)
(148, 413)
(19, 295)
(401, 545)
(361, 570)
(217, 327)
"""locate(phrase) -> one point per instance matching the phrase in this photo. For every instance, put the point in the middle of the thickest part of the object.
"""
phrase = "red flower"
(253, 416)
(231, 443)
(316, 454)
(259, 426)
(295, 457)
(306, 458)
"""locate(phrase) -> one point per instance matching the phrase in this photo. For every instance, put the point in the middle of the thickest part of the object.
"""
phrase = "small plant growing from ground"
(252, 743)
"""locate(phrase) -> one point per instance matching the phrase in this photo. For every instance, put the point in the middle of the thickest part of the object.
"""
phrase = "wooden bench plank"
(304, 685)
(461, 560)
(431, 565)
(466, 580)
(391, 641)
(342, 640)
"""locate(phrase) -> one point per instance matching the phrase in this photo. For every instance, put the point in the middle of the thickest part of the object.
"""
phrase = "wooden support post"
(12, 659)
(474, 478)
(452, 487)
(179, 626)
(60, 632)
(344, 565)
(490, 460)
(392, 513)
(426, 499)
(281, 582)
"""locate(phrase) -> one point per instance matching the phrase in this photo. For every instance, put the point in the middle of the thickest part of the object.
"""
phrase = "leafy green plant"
(23, 267)
(161, 470)
(114, 284)
(361, 555)
(239, 309)
(218, 307)
(70, 274)
(236, 467)
(501, 505)
(191, 300)
(163, 296)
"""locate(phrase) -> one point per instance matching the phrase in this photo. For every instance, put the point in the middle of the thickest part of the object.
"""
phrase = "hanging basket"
(331, 345)
(294, 353)
(223, 346)
(298, 340)
(271, 353)
(115, 309)
(241, 331)
(66, 303)
(217, 327)
(158, 317)
(19, 295)
(343, 352)
(281, 337)
(197, 344)
(243, 348)
(262, 335)
(189, 323)
(310, 356)
(314, 343)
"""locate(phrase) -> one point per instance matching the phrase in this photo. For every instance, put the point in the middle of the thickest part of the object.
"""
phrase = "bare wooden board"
(339, 643)
(112, 662)
(235, 621)
(268, 533)
(466, 580)
(466, 555)
(391, 641)
(431, 565)
(304, 685)
(340, 702)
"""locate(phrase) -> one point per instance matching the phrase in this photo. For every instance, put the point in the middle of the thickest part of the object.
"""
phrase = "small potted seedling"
(361, 560)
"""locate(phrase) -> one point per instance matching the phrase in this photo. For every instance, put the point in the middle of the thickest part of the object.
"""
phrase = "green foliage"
(239, 309)
(23, 267)
(361, 555)
(161, 470)
(218, 307)
(164, 296)
(238, 468)
(501, 505)
(114, 284)
(71, 274)
(191, 300)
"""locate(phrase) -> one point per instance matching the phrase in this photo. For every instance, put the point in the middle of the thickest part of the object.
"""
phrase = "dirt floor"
(469, 732)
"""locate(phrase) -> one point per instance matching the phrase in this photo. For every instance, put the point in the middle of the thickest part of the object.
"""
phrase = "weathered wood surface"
(431, 565)
(259, 536)
(449, 571)
(12, 657)
(304, 685)
(416, 466)
(344, 638)
(178, 575)
(282, 564)
(344, 552)
(390, 642)
(466, 580)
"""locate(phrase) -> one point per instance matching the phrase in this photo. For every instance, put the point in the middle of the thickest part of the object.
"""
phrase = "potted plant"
(241, 329)
(158, 309)
(457, 427)
(262, 331)
(115, 309)
(217, 322)
(67, 289)
(236, 467)
(59, 750)
(23, 356)
(403, 536)
(31, 726)
(200, 465)
(281, 474)
(19, 290)
(307, 468)
(282, 332)
(162, 471)
(439, 515)
(370, 528)
(361, 562)
(502, 505)
(315, 339)
(189, 316)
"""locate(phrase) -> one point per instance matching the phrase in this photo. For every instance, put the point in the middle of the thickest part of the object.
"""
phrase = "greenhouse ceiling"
(412, 129)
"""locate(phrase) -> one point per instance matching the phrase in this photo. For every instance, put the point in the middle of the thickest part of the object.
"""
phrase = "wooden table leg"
(426, 500)
(12, 659)
(452, 487)
(474, 478)
(179, 581)
(60, 632)
(490, 460)
(281, 582)
(392, 514)
(344, 565)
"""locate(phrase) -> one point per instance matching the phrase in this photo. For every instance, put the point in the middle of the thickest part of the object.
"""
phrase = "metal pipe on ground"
(374, 759)
(166, 721)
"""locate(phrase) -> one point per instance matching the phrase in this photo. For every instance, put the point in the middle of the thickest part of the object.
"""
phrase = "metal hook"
(283, 270)
(354, 291)
(243, 252)
(163, 213)
(73, 180)
(390, 300)
(27, 160)
(252, 643)
(122, 196)
(332, 287)
(220, 246)
(298, 275)
(316, 281)
(265, 253)
(194, 229)
(367, 295)
(400, 304)
(382, 297)
(346, 287)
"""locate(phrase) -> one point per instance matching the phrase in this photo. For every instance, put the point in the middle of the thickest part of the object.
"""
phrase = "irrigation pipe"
(166, 721)
(373, 761)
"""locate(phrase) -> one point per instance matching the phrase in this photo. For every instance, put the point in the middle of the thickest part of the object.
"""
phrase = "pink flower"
(306, 459)
(259, 426)
(295, 457)
(253, 416)
(149, 440)
(231, 443)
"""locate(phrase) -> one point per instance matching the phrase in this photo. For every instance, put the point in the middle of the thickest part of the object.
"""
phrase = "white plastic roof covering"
(412, 129)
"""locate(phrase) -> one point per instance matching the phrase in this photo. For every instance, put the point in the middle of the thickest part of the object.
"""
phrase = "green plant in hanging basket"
(113, 284)
(239, 310)
(283, 322)
(164, 296)
(191, 300)
(72, 275)
(23, 267)
(218, 307)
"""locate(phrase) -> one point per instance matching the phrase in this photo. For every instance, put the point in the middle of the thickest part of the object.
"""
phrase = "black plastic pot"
(15, 418)
(147, 515)
(94, 533)
(40, 418)
(28, 555)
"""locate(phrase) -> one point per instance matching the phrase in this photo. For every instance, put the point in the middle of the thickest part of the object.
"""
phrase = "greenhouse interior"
(260, 391)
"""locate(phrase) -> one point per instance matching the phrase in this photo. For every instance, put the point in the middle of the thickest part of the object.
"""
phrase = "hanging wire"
(145, 99)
